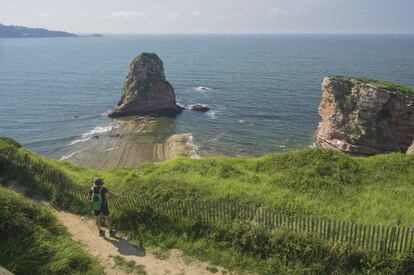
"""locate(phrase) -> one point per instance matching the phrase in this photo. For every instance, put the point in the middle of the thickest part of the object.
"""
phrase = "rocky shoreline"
(359, 116)
(133, 141)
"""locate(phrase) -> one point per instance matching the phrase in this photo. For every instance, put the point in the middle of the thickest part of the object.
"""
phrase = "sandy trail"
(85, 231)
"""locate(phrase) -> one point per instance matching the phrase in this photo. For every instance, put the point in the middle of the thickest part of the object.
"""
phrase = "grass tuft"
(130, 267)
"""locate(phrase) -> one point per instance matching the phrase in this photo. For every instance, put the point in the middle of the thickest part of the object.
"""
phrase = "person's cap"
(98, 181)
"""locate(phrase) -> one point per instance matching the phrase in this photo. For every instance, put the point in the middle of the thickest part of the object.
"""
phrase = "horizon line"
(249, 33)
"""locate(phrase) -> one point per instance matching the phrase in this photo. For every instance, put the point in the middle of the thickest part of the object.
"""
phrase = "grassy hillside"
(32, 242)
(376, 190)
(324, 183)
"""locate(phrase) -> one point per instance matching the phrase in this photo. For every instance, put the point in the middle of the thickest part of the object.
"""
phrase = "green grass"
(32, 242)
(130, 267)
(371, 190)
(161, 253)
(386, 84)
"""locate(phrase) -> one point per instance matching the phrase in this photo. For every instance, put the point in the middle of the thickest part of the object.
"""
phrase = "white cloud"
(126, 14)
(44, 14)
(173, 14)
(277, 11)
(196, 13)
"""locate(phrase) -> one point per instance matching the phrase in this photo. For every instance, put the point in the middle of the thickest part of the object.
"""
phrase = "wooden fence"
(372, 238)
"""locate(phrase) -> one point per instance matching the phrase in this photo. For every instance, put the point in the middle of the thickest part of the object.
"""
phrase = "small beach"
(131, 141)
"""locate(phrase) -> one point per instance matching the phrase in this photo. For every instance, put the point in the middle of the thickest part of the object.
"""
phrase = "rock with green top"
(146, 90)
(365, 117)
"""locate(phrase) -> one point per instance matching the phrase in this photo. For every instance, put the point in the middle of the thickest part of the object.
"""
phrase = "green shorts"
(104, 211)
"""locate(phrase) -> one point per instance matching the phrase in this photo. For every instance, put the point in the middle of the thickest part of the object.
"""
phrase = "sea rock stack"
(365, 117)
(146, 91)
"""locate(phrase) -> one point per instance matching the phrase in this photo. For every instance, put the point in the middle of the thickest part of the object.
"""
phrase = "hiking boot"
(102, 233)
(112, 233)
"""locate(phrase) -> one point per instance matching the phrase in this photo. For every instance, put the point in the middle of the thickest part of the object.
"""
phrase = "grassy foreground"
(32, 242)
(376, 190)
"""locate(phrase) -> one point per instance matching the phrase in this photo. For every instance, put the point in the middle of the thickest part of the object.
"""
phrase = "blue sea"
(263, 90)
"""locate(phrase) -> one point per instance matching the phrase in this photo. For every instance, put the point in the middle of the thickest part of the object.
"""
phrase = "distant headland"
(26, 32)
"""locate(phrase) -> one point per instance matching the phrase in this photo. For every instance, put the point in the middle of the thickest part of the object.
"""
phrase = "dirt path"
(105, 249)
(84, 231)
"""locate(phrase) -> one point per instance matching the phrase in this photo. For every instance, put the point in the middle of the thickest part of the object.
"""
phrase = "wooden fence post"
(372, 238)
(382, 247)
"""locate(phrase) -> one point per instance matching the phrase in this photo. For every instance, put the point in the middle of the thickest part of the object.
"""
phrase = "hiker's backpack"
(96, 199)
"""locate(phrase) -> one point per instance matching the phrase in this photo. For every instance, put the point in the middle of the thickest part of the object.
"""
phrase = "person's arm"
(111, 194)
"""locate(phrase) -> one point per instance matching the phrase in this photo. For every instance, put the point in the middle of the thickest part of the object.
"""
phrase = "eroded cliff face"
(365, 117)
(146, 91)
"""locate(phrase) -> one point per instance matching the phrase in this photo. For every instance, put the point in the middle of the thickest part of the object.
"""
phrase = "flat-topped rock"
(365, 117)
(146, 90)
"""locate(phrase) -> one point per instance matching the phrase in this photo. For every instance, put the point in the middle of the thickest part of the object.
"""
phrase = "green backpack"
(96, 200)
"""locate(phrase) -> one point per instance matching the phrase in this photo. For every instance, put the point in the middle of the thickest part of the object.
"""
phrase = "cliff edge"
(146, 91)
(365, 117)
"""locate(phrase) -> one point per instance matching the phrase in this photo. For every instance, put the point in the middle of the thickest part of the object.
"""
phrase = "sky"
(212, 16)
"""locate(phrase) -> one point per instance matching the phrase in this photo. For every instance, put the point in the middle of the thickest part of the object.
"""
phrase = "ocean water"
(263, 90)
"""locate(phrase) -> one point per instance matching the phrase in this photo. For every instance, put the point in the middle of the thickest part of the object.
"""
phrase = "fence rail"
(372, 238)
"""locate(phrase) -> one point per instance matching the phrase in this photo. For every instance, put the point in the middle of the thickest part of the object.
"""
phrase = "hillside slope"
(323, 183)
(32, 242)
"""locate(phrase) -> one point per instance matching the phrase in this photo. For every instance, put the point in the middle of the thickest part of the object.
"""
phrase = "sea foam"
(194, 153)
(97, 130)
(65, 157)
(212, 114)
(201, 88)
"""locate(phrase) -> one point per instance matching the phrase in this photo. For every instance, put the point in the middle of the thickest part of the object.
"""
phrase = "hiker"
(98, 195)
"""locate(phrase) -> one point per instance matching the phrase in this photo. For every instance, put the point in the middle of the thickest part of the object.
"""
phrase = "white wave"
(194, 153)
(97, 130)
(106, 113)
(201, 88)
(65, 157)
(100, 130)
(212, 114)
(109, 149)
(181, 105)
(79, 140)
(241, 121)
